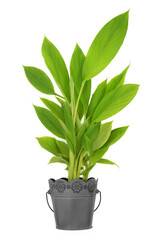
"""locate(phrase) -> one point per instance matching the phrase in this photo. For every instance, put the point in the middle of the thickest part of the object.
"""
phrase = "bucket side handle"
(97, 191)
(48, 201)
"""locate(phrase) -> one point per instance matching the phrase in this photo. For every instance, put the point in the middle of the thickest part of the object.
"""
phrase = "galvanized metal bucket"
(73, 202)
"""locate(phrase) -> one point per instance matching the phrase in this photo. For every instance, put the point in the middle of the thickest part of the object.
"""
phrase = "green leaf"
(104, 133)
(58, 160)
(52, 145)
(117, 81)
(49, 144)
(57, 66)
(88, 144)
(69, 124)
(50, 121)
(80, 109)
(93, 131)
(115, 135)
(105, 46)
(106, 161)
(85, 96)
(87, 170)
(39, 80)
(114, 101)
(70, 144)
(63, 147)
(54, 108)
(81, 135)
(96, 98)
(76, 65)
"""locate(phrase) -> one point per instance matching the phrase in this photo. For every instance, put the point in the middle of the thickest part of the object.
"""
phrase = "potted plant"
(76, 118)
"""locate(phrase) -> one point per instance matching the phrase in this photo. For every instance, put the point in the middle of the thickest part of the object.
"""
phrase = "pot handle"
(97, 191)
(48, 201)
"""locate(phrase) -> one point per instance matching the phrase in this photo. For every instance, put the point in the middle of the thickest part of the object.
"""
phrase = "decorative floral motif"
(76, 187)
(91, 186)
(60, 186)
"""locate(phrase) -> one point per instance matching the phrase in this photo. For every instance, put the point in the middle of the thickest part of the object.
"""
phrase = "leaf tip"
(42, 99)
(117, 165)
(128, 10)
(44, 38)
(77, 46)
(34, 106)
(25, 68)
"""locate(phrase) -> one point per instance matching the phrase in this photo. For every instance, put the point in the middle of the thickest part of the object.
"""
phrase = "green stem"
(76, 164)
(76, 107)
(75, 168)
(80, 163)
(71, 166)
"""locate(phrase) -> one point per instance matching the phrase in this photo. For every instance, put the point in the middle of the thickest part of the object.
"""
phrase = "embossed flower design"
(91, 186)
(60, 186)
(76, 187)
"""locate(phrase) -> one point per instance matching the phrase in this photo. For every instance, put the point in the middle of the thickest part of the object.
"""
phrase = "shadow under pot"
(73, 202)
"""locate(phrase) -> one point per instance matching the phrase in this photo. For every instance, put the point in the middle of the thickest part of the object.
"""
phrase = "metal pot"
(73, 202)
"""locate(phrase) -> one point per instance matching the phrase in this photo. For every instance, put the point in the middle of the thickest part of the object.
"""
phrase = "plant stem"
(76, 107)
(71, 166)
(85, 176)
(80, 163)
(75, 168)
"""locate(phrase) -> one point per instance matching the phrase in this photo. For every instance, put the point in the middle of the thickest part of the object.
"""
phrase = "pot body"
(73, 202)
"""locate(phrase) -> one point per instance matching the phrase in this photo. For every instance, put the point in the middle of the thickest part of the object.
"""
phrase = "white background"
(130, 206)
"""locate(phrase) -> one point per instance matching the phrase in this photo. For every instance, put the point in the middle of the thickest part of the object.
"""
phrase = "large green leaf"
(76, 65)
(114, 101)
(88, 144)
(96, 97)
(93, 131)
(80, 136)
(85, 96)
(50, 121)
(52, 145)
(117, 81)
(49, 144)
(63, 147)
(105, 46)
(39, 80)
(103, 135)
(55, 108)
(115, 135)
(58, 160)
(57, 66)
(106, 161)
